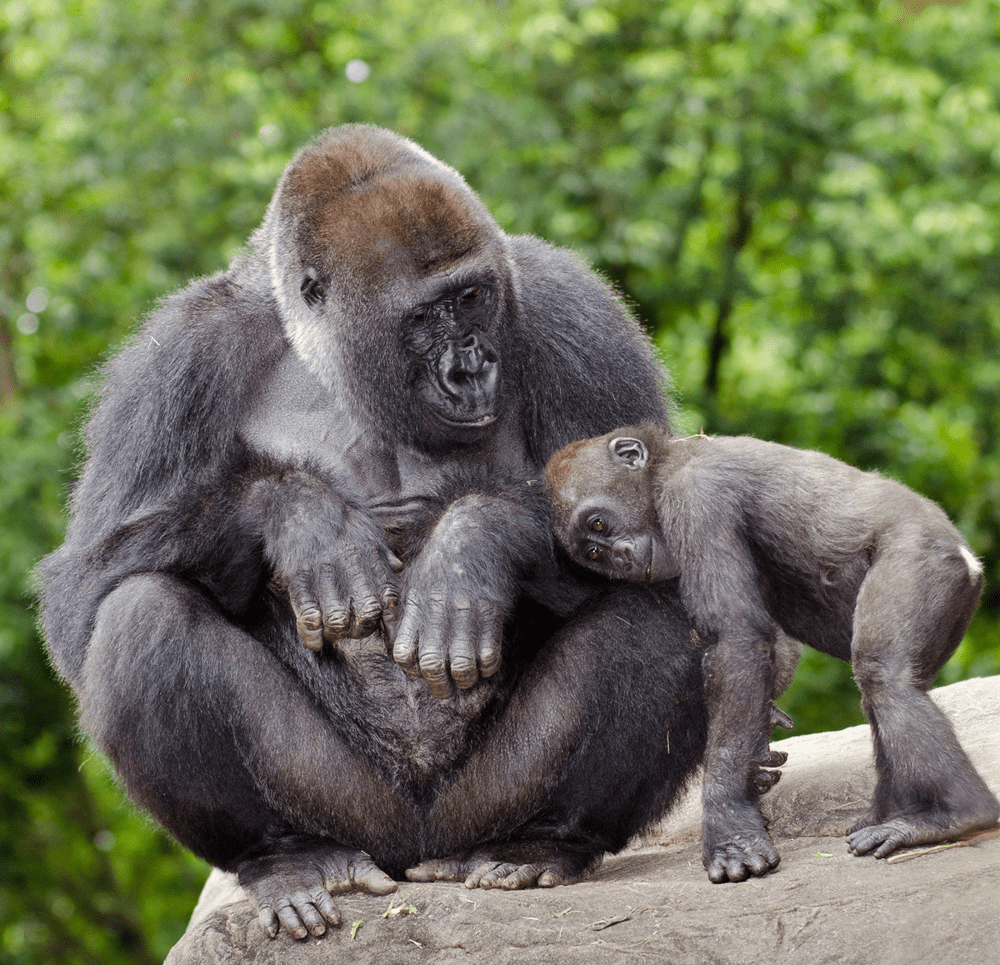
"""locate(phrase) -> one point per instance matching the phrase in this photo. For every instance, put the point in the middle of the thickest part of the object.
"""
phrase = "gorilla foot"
(509, 866)
(293, 883)
(881, 838)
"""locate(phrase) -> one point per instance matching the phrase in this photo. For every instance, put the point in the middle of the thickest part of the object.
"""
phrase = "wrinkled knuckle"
(309, 617)
(403, 652)
(489, 660)
(337, 619)
(368, 610)
(436, 601)
(432, 665)
(464, 672)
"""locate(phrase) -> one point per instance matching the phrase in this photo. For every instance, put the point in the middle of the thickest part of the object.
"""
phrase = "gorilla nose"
(623, 556)
(469, 368)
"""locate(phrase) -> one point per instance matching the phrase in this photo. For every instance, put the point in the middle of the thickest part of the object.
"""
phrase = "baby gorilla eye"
(597, 524)
(593, 552)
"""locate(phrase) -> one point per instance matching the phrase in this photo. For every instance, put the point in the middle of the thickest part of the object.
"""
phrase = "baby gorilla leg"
(914, 606)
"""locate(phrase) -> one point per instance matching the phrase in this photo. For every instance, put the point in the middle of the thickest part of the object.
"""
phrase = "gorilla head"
(379, 252)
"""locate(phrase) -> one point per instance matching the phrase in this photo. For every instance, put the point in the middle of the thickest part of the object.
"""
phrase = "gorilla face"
(455, 367)
(393, 283)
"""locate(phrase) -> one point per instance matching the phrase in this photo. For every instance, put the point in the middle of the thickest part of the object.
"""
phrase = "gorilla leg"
(926, 788)
(602, 734)
(220, 743)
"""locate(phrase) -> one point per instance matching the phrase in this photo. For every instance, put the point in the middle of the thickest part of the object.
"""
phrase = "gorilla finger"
(735, 870)
(524, 877)
(433, 661)
(496, 877)
(761, 864)
(332, 603)
(488, 650)
(311, 918)
(726, 866)
(291, 920)
(308, 618)
(550, 879)
(364, 608)
(269, 921)
(434, 668)
(462, 657)
(326, 906)
(390, 614)
(772, 759)
(780, 719)
(367, 613)
(762, 781)
(373, 879)
(404, 647)
(477, 874)
(393, 561)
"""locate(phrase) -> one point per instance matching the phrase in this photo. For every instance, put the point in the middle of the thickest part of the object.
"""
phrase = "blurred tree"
(799, 197)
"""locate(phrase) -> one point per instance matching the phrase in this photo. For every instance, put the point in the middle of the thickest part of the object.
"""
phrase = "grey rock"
(820, 905)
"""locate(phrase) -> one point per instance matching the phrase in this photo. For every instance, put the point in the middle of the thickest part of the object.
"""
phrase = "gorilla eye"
(593, 553)
(470, 294)
(597, 524)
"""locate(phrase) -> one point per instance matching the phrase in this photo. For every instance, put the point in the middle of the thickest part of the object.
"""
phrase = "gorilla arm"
(171, 486)
(461, 585)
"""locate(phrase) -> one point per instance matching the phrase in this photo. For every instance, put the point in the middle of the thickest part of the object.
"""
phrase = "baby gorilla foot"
(293, 883)
(761, 779)
(881, 838)
(508, 866)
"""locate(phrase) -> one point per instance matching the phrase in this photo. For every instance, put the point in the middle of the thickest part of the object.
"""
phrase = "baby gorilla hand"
(735, 843)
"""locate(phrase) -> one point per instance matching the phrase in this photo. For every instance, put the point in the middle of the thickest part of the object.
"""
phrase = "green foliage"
(798, 196)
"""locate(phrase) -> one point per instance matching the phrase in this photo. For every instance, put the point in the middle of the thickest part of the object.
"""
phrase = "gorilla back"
(308, 599)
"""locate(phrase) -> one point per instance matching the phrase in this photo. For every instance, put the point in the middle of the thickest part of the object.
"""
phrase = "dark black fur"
(335, 446)
(768, 539)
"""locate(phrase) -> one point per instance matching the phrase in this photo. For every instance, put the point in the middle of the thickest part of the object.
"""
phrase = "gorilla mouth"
(651, 564)
(480, 422)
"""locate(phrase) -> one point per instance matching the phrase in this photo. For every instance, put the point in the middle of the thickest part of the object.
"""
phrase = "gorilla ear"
(312, 290)
(628, 453)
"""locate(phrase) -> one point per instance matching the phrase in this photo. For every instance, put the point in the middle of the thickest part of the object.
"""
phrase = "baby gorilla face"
(604, 512)
(598, 540)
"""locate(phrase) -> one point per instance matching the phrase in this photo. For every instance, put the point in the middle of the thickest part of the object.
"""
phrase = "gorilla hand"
(331, 558)
(452, 620)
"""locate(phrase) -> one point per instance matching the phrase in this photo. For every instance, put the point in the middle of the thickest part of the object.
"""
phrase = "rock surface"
(820, 905)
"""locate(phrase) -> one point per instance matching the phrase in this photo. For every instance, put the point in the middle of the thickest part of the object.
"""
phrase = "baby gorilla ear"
(628, 453)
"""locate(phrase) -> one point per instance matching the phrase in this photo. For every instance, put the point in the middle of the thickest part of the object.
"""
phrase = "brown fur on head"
(375, 228)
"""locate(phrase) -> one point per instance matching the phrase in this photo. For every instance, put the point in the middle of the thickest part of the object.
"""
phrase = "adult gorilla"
(335, 446)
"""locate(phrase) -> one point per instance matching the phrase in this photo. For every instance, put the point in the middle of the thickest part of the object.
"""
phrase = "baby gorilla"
(765, 539)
